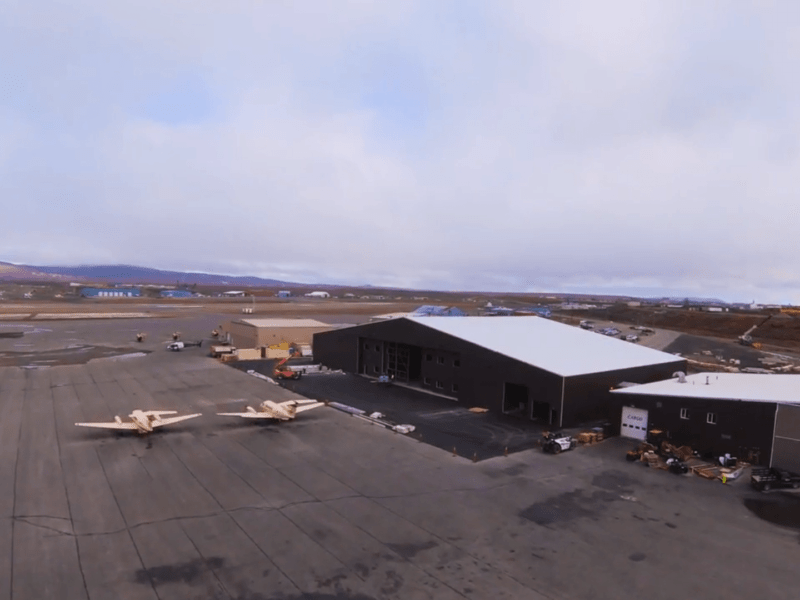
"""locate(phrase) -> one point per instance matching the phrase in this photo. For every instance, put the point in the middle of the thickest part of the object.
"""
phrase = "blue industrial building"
(541, 311)
(175, 294)
(428, 310)
(89, 292)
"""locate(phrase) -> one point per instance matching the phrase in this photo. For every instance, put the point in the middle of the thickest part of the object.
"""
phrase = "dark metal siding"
(480, 376)
(588, 398)
(337, 349)
(786, 448)
(482, 373)
(741, 427)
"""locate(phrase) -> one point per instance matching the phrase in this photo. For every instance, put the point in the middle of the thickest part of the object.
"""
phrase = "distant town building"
(176, 294)
(89, 292)
(428, 310)
(576, 306)
(284, 294)
(540, 311)
(423, 311)
(498, 311)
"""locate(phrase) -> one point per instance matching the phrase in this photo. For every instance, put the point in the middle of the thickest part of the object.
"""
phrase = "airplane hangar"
(528, 367)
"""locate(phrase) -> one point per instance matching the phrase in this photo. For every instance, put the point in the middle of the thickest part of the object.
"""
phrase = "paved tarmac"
(330, 507)
(438, 421)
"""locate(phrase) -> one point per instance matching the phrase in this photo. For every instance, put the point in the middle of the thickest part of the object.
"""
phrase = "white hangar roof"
(751, 387)
(560, 349)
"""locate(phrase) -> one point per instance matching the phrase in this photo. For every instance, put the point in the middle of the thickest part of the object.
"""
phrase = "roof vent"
(680, 375)
(707, 378)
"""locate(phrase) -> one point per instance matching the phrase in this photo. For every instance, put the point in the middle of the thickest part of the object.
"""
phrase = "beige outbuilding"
(261, 333)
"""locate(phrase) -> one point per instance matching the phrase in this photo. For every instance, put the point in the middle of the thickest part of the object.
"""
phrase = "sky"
(621, 147)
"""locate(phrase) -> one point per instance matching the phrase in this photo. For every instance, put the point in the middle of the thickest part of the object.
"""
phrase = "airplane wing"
(170, 420)
(303, 407)
(114, 425)
(248, 415)
(158, 413)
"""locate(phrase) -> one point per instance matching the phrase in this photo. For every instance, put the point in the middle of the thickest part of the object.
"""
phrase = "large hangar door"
(634, 423)
(515, 400)
(786, 443)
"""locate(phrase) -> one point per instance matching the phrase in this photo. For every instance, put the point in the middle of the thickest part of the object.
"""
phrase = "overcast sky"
(644, 148)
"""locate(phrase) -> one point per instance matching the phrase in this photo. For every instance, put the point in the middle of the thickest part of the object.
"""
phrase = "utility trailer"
(765, 479)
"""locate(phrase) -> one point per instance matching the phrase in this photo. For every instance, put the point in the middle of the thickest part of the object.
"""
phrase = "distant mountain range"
(131, 274)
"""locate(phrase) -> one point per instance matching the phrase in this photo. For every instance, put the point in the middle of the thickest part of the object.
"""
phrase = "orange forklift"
(280, 371)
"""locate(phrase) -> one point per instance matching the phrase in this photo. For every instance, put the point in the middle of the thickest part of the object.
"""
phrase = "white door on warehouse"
(634, 423)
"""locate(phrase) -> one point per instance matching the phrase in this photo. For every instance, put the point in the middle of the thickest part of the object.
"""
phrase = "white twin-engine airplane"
(142, 421)
(279, 411)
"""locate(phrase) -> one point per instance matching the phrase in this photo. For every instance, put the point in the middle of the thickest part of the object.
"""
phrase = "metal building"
(528, 367)
(428, 310)
(750, 416)
(258, 333)
(176, 294)
(89, 292)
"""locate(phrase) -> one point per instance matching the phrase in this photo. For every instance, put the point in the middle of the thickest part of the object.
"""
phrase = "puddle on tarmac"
(72, 355)
(777, 508)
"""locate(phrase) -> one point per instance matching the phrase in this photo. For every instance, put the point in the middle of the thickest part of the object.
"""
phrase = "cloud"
(627, 147)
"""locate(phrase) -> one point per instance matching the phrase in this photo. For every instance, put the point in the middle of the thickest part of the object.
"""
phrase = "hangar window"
(440, 360)
(711, 418)
(658, 404)
(426, 380)
(684, 413)
(455, 387)
(439, 385)
(374, 369)
(456, 363)
(429, 357)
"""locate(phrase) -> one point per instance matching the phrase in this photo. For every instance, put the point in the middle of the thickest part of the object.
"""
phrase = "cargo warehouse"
(754, 417)
(259, 333)
(528, 367)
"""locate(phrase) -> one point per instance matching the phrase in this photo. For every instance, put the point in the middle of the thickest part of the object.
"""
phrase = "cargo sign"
(634, 423)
